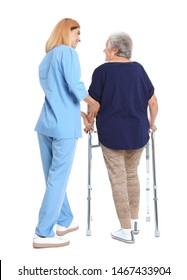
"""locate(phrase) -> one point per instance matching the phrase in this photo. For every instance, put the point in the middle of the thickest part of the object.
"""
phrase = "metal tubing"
(88, 231)
(148, 218)
(90, 146)
(155, 198)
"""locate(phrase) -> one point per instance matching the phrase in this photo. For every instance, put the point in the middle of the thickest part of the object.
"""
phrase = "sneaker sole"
(49, 245)
(123, 240)
(61, 233)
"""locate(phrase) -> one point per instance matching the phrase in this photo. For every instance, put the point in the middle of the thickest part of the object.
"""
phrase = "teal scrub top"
(59, 74)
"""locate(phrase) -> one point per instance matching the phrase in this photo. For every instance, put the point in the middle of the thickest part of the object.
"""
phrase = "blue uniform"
(123, 91)
(59, 74)
(58, 127)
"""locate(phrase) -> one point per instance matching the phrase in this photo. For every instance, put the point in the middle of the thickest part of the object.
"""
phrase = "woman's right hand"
(153, 127)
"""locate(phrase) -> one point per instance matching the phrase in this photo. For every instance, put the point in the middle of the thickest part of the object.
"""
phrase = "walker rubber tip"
(88, 232)
(148, 219)
(157, 233)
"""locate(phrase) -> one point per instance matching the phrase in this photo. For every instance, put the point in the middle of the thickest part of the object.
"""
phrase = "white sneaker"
(60, 230)
(135, 226)
(124, 235)
(49, 242)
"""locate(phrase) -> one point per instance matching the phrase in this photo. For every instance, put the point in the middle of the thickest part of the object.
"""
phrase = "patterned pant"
(122, 168)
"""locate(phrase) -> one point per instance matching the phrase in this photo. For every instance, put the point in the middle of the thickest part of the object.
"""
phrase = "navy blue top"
(123, 90)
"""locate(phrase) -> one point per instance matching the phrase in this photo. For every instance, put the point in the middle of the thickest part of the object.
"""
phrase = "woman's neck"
(120, 59)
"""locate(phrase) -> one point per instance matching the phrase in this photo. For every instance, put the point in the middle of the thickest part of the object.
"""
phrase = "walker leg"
(157, 232)
(90, 146)
(148, 218)
(88, 231)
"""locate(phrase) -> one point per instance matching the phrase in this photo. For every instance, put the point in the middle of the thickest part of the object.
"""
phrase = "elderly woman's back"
(124, 91)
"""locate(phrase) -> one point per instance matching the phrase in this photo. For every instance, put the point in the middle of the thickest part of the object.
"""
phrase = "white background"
(158, 30)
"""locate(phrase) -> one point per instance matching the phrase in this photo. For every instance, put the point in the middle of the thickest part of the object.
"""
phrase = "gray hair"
(121, 41)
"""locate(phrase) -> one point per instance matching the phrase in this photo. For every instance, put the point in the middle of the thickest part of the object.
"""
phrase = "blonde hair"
(61, 33)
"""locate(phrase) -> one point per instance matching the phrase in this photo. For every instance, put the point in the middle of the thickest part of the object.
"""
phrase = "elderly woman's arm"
(153, 110)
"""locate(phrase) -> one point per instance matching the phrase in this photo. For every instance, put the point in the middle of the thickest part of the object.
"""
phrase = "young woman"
(58, 128)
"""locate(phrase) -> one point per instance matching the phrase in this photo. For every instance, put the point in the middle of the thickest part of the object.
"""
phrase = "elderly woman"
(125, 92)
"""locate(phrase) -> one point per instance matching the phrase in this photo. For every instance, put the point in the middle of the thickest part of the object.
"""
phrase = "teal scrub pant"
(57, 158)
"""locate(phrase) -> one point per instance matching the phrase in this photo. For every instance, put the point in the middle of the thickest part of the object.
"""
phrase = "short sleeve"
(96, 87)
(149, 85)
(72, 73)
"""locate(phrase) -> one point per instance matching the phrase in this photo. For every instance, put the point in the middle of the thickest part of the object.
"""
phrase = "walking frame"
(151, 143)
